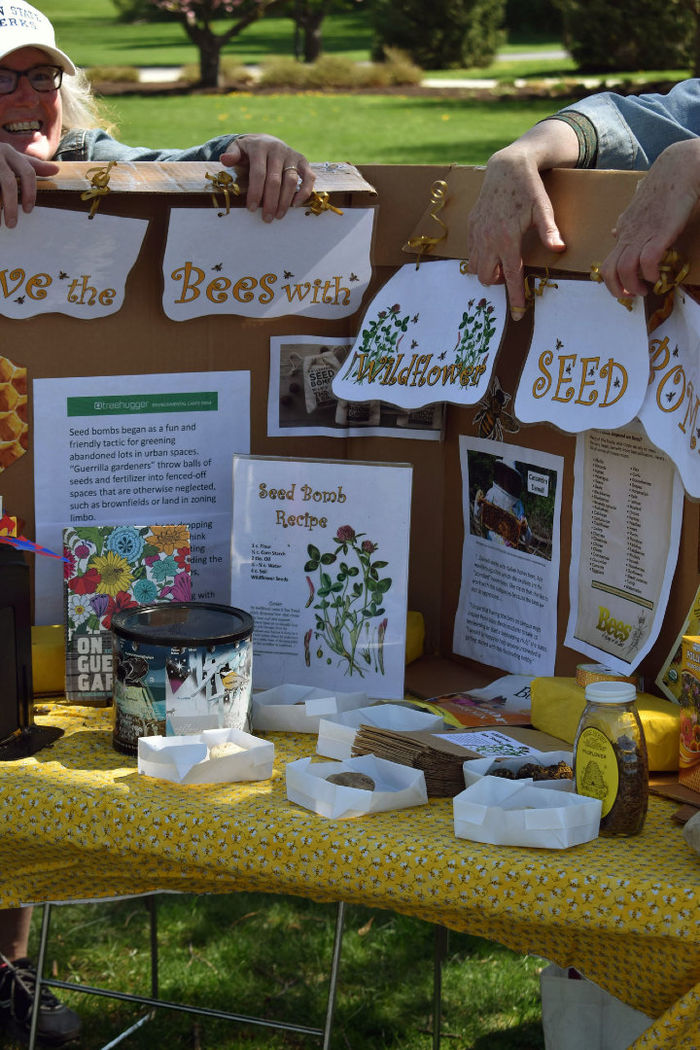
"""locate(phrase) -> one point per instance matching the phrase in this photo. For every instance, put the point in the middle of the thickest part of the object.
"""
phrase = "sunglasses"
(42, 78)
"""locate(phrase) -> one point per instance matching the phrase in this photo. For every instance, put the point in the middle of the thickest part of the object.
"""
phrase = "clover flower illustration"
(347, 605)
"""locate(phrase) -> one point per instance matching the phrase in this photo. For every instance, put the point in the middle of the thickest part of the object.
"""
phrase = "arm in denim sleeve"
(633, 130)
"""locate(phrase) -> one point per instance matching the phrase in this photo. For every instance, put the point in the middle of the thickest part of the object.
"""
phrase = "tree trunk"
(209, 62)
(313, 39)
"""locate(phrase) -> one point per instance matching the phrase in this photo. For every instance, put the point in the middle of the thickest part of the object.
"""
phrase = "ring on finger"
(290, 167)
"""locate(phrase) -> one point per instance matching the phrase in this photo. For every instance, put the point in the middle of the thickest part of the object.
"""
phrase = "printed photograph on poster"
(322, 567)
(626, 522)
(507, 612)
(138, 450)
(301, 399)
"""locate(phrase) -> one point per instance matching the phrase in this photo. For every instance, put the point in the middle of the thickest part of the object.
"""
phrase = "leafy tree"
(439, 34)
(654, 34)
(198, 18)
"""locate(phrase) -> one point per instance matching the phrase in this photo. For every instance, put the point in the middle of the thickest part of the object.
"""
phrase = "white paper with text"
(319, 553)
(149, 449)
(507, 612)
(626, 521)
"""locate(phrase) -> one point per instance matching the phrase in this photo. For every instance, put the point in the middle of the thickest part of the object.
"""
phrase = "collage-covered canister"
(179, 668)
(610, 757)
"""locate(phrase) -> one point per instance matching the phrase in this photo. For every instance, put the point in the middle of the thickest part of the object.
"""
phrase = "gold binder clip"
(99, 187)
(318, 202)
(225, 182)
(423, 244)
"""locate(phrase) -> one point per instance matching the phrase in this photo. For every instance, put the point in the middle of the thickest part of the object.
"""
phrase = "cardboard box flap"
(586, 207)
(187, 177)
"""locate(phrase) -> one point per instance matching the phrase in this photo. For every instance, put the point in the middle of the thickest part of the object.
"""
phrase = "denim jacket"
(633, 130)
(95, 144)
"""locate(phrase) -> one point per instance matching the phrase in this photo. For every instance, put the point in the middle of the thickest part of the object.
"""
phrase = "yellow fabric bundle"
(557, 706)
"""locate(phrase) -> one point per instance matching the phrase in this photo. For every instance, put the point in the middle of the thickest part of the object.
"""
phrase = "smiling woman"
(47, 113)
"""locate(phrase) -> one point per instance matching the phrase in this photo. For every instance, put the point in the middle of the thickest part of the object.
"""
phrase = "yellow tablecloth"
(78, 822)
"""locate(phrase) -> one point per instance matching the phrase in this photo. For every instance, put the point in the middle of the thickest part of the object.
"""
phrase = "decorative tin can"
(180, 667)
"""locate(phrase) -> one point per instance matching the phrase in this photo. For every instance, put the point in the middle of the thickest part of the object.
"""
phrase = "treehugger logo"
(614, 630)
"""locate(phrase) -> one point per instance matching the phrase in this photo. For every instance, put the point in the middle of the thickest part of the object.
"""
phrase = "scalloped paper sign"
(587, 364)
(56, 261)
(670, 413)
(312, 265)
(431, 334)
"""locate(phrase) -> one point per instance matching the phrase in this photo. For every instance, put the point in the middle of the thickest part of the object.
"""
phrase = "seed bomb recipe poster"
(319, 554)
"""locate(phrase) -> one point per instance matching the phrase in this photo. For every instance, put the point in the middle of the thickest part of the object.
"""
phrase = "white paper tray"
(183, 759)
(476, 768)
(299, 708)
(396, 787)
(336, 733)
(517, 813)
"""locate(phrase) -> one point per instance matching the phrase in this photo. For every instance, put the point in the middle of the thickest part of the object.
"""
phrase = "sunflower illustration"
(114, 571)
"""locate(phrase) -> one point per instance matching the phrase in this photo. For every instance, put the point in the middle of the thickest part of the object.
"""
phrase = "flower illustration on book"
(349, 617)
(110, 568)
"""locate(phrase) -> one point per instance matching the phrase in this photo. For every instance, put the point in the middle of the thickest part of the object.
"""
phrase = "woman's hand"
(656, 215)
(18, 174)
(278, 176)
(512, 201)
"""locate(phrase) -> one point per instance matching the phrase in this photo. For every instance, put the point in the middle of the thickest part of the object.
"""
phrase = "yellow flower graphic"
(169, 537)
(115, 573)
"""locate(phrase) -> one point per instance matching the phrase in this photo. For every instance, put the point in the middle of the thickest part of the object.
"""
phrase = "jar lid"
(183, 624)
(610, 692)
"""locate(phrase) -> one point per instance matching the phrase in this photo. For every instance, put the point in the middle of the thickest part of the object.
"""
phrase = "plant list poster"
(319, 557)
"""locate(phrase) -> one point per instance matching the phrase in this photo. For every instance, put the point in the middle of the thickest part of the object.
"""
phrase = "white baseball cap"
(21, 25)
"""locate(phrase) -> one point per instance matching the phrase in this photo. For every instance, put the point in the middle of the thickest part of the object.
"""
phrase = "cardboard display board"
(140, 339)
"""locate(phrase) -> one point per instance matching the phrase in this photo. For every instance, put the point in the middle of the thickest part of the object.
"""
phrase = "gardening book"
(319, 557)
(109, 568)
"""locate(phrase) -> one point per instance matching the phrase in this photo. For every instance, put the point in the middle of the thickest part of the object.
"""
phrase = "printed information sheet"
(320, 559)
(139, 450)
(628, 506)
(507, 613)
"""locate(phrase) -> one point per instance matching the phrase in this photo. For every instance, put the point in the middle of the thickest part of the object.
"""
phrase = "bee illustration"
(491, 416)
(442, 356)
(675, 351)
(414, 319)
(19, 299)
(559, 344)
(288, 274)
(354, 277)
(414, 344)
(62, 275)
(217, 266)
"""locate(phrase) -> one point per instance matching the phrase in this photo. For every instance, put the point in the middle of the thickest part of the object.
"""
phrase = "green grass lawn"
(360, 129)
(268, 956)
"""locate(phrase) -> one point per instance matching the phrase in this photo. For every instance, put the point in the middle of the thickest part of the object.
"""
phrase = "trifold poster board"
(383, 209)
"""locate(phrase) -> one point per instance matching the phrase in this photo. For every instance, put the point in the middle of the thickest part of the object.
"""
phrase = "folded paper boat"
(517, 813)
(475, 768)
(299, 708)
(336, 733)
(183, 759)
(395, 787)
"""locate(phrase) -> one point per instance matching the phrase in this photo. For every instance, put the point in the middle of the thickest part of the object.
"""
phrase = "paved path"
(167, 74)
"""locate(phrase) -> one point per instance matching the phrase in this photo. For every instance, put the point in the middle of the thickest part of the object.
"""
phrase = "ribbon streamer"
(318, 202)
(542, 283)
(624, 300)
(99, 187)
(225, 182)
(424, 244)
(672, 272)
